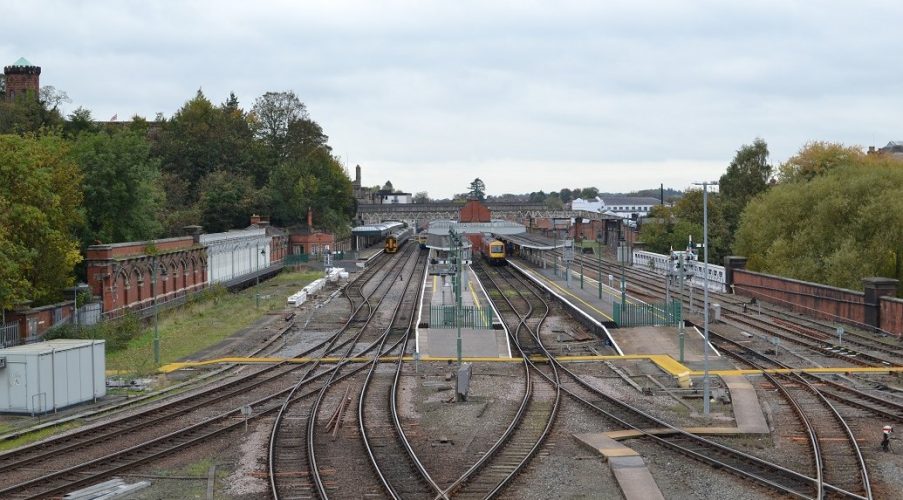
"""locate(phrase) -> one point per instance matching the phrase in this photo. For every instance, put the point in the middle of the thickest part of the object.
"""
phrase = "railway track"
(113, 447)
(293, 468)
(771, 475)
(391, 455)
(803, 331)
(535, 416)
(839, 463)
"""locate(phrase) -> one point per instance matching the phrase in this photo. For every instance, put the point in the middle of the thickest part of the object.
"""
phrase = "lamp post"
(257, 272)
(154, 291)
(705, 281)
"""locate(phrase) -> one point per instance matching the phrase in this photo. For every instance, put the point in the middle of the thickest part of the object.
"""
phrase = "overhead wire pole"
(705, 249)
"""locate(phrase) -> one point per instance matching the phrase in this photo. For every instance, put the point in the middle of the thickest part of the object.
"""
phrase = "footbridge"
(517, 212)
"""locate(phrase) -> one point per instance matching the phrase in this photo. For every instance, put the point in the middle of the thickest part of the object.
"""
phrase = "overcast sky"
(525, 95)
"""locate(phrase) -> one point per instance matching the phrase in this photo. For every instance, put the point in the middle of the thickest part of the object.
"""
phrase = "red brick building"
(131, 275)
(22, 78)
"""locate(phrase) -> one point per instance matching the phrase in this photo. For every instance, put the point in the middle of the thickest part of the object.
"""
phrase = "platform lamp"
(154, 291)
(706, 392)
(257, 272)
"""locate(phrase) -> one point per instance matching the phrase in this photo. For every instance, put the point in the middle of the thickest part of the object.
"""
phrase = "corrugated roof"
(48, 346)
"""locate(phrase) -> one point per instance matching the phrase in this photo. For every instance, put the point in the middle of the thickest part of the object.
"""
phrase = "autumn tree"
(40, 199)
(844, 224)
(817, 158)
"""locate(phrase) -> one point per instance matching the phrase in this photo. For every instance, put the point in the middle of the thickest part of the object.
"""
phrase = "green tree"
(477, 190)
(589, 193)
(273, 115)
(79, 121)
(202, 138)
(227, 201)
(316, 181)
(421, 197)
(748, 175)
(27, 113)
(40, 199)
(841, 226)
(122, 188)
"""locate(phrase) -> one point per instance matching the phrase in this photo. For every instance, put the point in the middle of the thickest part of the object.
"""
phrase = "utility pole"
(454, 243)
(705, 248)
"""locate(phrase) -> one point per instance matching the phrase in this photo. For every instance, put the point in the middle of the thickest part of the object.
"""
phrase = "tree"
(202, 138)
(388, 187)
(817, 158)
(422, 197)
(316, 181)
(842, 225)
(227, 200)
(26, 114)
(122, 188)
(79, 121)
(304, 136)
(746, 176)
(40, 200)
(273, 114)
(589, 193)
(477, 190)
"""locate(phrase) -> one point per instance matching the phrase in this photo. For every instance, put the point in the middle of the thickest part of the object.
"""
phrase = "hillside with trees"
(73, 182)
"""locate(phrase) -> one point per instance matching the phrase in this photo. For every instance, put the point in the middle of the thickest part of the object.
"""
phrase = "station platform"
(482, 334)
(371, 252)
(661, 344)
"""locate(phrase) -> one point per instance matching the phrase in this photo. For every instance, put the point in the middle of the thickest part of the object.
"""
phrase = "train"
(493, 251)
(397, 238)
(422, 239)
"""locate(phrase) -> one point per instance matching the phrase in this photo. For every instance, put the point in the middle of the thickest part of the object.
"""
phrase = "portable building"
(47, 376)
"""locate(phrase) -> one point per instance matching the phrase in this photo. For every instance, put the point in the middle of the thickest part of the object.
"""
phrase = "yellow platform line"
(663, 361)
(476, 301)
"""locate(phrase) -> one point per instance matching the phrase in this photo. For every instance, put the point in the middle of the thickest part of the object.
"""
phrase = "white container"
(51, 375)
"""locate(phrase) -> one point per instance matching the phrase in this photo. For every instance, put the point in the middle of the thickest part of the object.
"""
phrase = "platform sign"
(568, 250)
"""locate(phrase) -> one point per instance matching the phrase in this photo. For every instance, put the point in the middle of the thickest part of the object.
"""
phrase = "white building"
(387, 198)
(621, 206)
(235, 253)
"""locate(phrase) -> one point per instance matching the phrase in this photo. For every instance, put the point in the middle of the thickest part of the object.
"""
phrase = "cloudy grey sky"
(525, 95)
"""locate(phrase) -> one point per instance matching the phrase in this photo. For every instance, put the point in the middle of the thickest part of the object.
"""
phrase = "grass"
(31, 437)
(199, 325)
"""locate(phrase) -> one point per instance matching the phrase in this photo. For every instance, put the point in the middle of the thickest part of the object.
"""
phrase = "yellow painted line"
(663, 361)
(476, 301)
(587, 304)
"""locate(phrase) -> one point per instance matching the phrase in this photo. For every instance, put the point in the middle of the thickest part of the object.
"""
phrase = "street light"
(257, 272)
(154, 291)
(705, 249)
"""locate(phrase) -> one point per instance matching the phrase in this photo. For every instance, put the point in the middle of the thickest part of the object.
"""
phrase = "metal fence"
(662, 314)
(471, 317)
(9, 335)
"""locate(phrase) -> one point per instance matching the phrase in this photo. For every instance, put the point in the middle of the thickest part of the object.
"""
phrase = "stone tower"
(22, 77)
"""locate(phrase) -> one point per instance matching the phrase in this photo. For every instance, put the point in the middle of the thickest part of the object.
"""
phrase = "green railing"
(291, 260)
(661, 314)
(471, 317)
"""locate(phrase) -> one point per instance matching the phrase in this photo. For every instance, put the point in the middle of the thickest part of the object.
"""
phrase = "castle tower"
(22, 77)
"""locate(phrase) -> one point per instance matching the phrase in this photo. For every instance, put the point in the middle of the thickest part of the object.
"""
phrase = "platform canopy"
(533, 241)
(381, 229)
